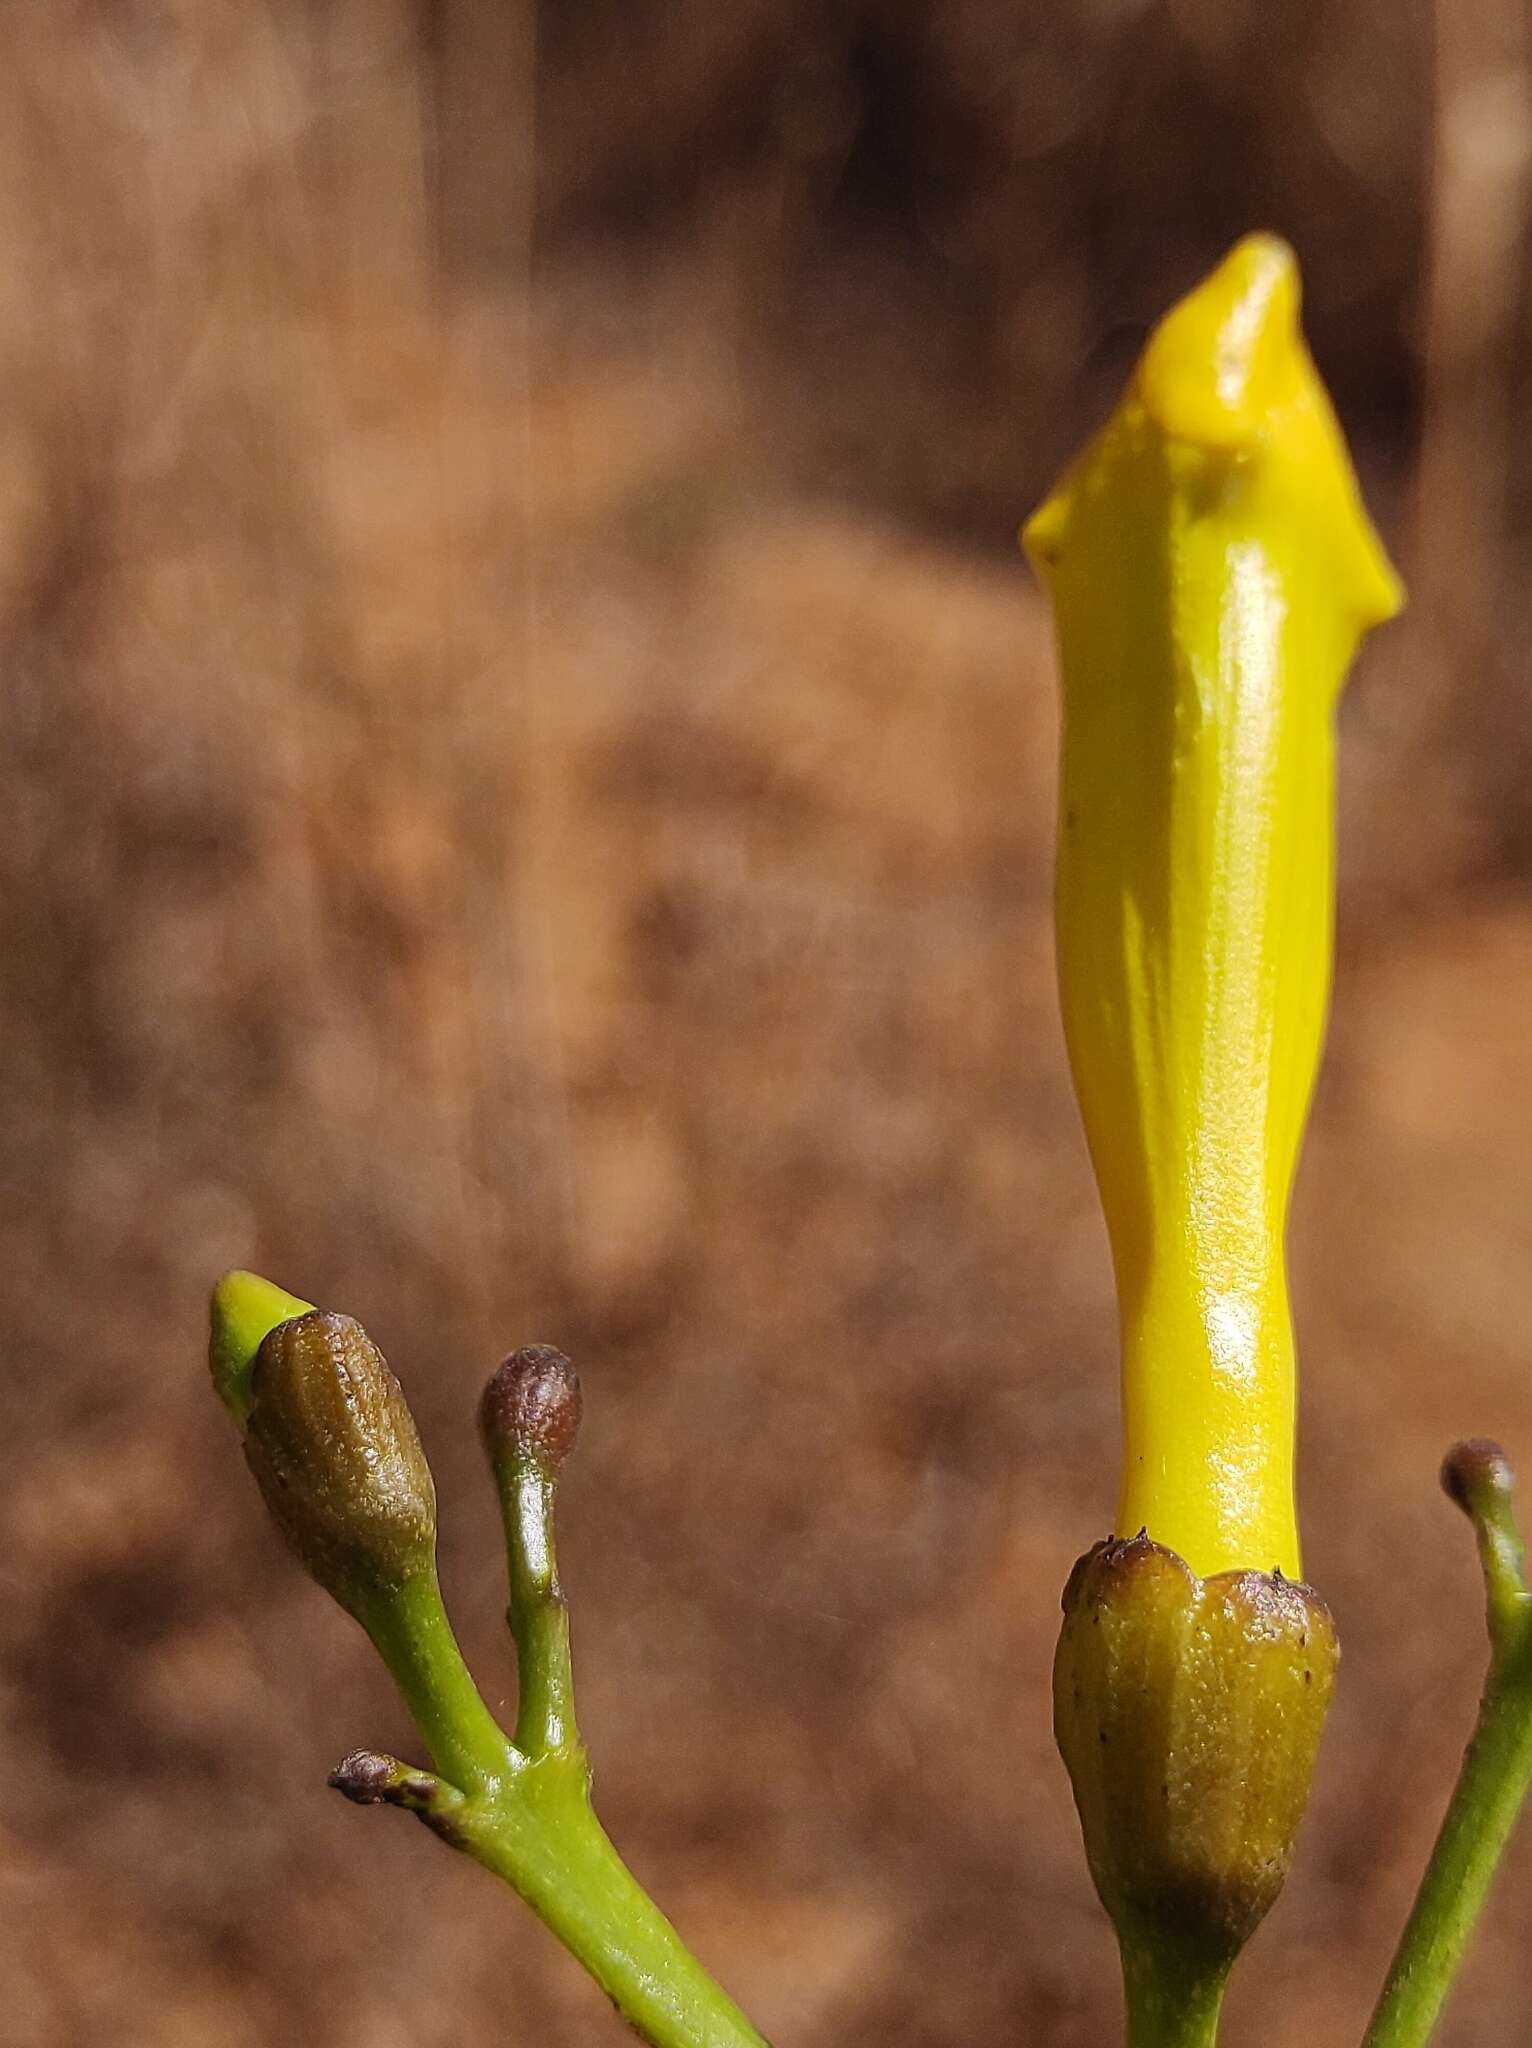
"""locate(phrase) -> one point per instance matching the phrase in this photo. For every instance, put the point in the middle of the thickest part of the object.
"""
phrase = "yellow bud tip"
(244, 1310)
(1229, 356)
(1227, 372)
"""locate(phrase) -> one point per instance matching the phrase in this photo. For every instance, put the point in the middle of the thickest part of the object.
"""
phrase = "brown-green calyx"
(1188, 1712)
(335, 1452)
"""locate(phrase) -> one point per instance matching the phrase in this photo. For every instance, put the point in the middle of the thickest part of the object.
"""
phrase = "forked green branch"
(1496, 1773)
(334, 1450)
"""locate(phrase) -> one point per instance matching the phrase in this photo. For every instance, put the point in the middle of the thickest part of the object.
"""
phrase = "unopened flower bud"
(335, 1452)
(1189, 1713)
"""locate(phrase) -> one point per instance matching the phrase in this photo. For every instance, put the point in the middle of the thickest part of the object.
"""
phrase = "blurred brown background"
(525, 808)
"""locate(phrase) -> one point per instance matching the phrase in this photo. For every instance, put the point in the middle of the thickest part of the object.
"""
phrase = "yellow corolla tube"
(1212, 573)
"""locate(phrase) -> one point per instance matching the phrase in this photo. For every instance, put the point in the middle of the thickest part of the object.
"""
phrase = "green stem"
(528, 1817)
(1170, 2004)
(538, 1616)
(1496, 1773)
(541, 1835)
(414, 1638)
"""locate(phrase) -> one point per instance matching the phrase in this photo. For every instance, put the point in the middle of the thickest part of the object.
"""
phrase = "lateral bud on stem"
(368, 1778)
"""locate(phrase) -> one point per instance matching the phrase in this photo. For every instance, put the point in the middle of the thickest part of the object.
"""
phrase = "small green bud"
(335, 1452)
(243, 1309)
(1189, 1712)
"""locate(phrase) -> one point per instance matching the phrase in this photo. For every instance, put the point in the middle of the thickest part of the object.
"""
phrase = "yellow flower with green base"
(1212, 573)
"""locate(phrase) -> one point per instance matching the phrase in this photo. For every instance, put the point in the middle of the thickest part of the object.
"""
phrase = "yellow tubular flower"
(1212, 572)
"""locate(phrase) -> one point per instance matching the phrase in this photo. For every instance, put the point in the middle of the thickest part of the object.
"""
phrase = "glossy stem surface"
(1491, 1788)
(414, 1638)
(542, 1836)
(538, 1615)
(528, 1819)
(1168, 2005)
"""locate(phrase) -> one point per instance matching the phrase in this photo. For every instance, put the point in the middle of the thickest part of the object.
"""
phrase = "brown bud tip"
(1476, 1475)
(365, 1778)
(334, 1449)
(531, 1407)
(1188, 1711)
